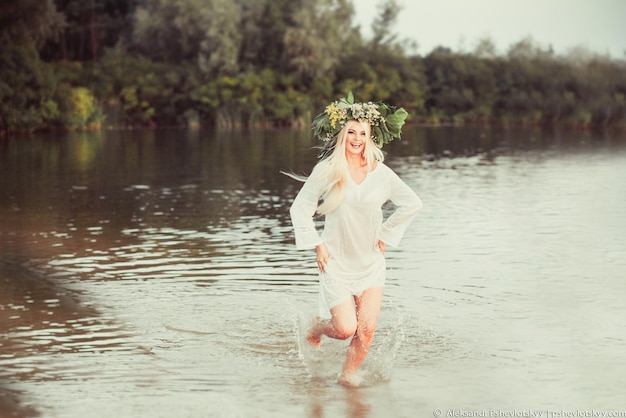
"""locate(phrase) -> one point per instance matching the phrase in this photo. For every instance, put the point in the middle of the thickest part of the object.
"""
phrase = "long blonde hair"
(335, 166)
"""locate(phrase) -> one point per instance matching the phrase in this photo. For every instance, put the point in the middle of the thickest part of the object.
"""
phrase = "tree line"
(77, 64)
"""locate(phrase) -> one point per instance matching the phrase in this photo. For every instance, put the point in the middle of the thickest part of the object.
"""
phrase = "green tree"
(264, 24)
(205, 32)
(74, 63)
(316, 41)
(27, 84)
(378, 69)
(91, 27)
(29, 23)
(78, 108)
(602, 86)
(27, 88)
(384, 36)
(138, 91)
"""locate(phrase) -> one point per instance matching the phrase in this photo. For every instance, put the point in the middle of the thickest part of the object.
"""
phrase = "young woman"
(352, 183)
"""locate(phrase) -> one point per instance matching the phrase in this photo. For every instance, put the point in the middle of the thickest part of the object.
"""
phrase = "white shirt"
(353, 228)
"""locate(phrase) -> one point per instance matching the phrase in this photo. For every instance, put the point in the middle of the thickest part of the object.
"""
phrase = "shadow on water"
(104, 235)
(27, 303)
(40, 319)
(102, 200)
(10, 405)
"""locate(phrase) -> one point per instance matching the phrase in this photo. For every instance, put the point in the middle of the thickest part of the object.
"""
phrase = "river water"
(153, 274)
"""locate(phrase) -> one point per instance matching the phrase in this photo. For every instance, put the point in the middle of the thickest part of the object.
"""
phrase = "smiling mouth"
(356, 145)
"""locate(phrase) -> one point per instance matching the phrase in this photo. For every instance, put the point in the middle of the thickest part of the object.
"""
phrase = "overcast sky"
(599, 25)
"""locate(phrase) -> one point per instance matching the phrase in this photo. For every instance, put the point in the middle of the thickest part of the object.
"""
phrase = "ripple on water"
(196, 299)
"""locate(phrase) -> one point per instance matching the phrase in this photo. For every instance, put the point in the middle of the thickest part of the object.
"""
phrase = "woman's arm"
(408, 204)
(303, 209)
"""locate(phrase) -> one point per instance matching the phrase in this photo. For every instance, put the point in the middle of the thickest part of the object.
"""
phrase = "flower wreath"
(386, 121)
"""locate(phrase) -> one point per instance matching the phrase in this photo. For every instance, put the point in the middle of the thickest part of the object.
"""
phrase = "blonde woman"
(352, 183)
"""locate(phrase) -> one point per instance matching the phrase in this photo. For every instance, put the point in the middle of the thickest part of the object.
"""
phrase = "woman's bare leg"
(341, 326)
(367, 310)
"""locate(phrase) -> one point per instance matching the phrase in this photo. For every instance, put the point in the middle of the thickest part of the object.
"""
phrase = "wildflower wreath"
(386, 121)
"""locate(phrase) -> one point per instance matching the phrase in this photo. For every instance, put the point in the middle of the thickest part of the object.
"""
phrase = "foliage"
(143, 92)
(90, 27)
(78, 108)
(26, 89)
(29, 23)
(315, 42)
(85, 63)
(251, 98)
(203, 31)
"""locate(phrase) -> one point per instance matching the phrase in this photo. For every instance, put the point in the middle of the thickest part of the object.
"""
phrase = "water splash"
(324, 363)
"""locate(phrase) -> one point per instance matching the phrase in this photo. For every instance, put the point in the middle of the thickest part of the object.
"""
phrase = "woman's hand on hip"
(381, 246)
(322, 257)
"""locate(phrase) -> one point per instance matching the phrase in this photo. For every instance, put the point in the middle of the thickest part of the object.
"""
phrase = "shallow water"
(154, 274)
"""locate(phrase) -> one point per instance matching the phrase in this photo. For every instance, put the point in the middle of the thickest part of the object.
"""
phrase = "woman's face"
(356, 138)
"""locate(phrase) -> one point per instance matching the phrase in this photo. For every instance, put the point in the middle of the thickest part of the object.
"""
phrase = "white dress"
(352, 230)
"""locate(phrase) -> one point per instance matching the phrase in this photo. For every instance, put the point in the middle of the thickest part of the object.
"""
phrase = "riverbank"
(421, 122)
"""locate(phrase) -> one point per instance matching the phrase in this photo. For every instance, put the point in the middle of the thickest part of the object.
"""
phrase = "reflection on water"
(154, 274)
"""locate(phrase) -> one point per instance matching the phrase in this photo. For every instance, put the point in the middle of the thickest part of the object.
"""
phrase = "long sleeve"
(407, 203)
(303, 209)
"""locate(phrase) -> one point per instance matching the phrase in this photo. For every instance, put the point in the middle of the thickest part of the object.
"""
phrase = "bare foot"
(314, 334)
(350, 381)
